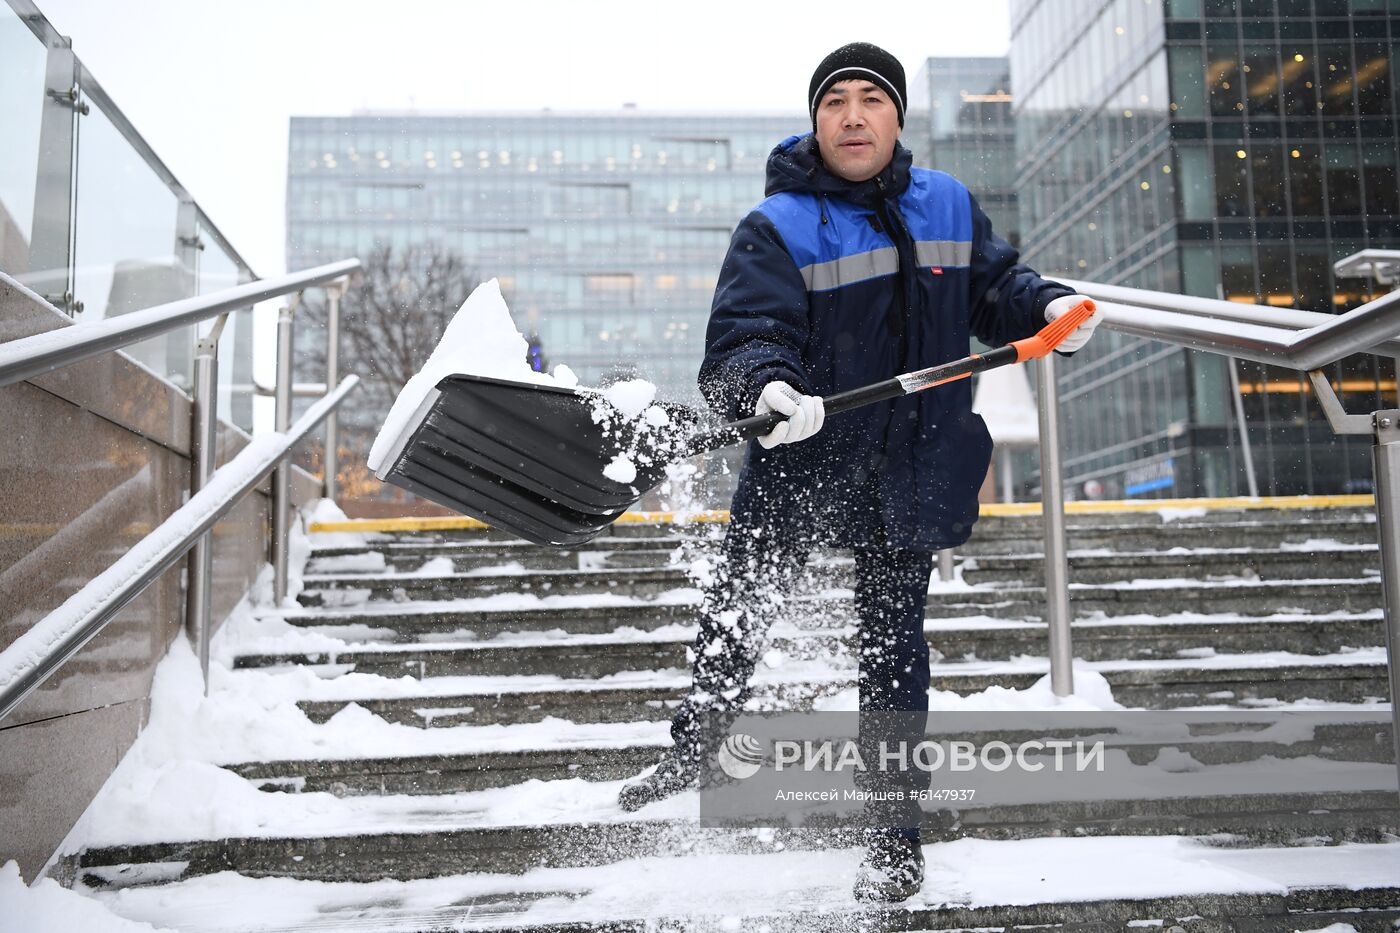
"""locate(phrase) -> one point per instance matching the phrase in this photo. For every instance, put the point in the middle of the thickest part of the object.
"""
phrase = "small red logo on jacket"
(936, 270)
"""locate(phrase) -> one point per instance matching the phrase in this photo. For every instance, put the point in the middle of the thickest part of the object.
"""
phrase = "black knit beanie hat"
(858, 60)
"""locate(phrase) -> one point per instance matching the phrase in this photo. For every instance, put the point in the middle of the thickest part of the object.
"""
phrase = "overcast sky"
(212, 85)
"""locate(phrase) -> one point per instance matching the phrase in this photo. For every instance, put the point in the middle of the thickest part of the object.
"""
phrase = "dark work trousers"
(760, 563)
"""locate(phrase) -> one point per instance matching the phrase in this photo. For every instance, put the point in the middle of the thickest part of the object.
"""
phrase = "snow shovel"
(531, 459)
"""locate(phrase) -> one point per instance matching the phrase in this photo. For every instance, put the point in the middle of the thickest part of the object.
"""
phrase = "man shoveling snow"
(858, 265)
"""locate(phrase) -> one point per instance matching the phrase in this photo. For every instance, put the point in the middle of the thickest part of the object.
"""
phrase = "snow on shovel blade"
(529, 458)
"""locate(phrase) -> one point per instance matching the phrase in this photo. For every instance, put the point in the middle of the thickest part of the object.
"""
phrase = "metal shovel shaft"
(1033, 347)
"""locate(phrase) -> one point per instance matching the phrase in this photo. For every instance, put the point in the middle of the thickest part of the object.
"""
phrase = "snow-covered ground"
(729, 888)
(171, 785)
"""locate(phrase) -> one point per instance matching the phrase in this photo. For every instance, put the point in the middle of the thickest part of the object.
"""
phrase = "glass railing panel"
(127, 255)
(22, 81)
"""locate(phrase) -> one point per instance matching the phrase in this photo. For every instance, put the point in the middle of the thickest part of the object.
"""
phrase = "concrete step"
(1360, 562)
(634, 582)
(1117, 532)
(600, 655)
(412, 621)
(605, 612)
(653, 697)
(456, 773)
(604, 552)
(824, 906)
(1153, 597)
(1204, 564)
(407, 852)
(1021, 535)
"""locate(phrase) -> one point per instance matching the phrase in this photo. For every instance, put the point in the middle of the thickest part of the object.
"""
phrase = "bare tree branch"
(392, 316)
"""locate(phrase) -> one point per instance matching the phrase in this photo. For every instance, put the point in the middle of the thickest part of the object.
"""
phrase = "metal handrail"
(1369, 328)
(33, 356)
(1273, 317)
(1383, 265)
(1189, 322)
(45, 647)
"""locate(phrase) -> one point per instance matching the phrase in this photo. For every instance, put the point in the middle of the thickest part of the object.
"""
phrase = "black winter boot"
(893, 870)
(674, 773)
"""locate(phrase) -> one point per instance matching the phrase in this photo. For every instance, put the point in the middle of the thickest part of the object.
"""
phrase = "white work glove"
(806, 414)
(1083, 332)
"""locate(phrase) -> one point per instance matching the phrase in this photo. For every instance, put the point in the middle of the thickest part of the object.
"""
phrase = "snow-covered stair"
(434, 737)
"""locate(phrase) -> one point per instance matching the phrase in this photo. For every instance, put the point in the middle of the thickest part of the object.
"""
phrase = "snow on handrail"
(33, 356)
(40, 651)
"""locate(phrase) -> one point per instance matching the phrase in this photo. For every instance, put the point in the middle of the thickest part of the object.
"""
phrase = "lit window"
(608, 283)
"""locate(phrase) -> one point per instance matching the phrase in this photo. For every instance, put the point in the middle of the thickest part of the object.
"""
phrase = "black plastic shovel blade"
(529, 458)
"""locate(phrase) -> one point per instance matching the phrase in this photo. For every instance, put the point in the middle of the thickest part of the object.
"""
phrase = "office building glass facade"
(606, 231)
(960, 122)
(1223, 148)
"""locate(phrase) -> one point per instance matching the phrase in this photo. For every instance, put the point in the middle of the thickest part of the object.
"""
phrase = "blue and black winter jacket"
(830, 285)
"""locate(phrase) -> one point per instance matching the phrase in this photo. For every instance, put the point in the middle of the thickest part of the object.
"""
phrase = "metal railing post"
(203, 438)
(334, 291)
(281, 477)
(1246, 450)
(945, 565)
(1004, 468)
(1052, 497)
(1385, 457)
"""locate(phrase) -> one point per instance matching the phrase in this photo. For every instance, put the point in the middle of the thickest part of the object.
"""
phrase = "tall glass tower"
(960, 122)
(1223, 148)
